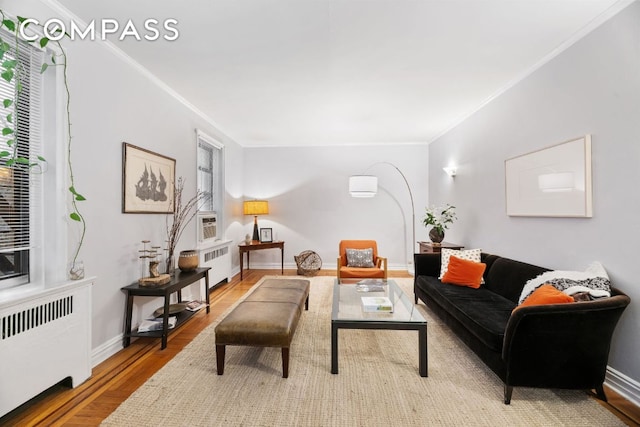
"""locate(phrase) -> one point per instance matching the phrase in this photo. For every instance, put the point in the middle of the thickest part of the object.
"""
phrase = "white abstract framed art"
(551, 182)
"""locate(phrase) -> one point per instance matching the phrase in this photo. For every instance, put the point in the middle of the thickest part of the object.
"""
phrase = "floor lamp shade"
(255, 208)
(363, 185)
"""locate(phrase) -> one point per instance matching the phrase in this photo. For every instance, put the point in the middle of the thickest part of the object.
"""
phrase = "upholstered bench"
(268, 317)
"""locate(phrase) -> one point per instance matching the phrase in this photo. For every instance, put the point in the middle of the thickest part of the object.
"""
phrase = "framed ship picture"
(148, 180)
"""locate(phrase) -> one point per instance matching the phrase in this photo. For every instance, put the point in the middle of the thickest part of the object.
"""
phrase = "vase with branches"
(182, 214)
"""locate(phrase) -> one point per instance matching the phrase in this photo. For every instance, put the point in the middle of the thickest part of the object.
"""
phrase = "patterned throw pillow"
(468, 254)
(360, 257)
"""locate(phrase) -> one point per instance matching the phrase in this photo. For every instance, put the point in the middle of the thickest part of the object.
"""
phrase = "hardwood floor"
(114, 380)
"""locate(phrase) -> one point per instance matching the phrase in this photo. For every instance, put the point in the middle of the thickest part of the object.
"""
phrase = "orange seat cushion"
(361, 272)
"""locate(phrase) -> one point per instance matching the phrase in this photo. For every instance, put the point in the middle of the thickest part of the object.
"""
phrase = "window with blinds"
(20, 200)
(210, 173)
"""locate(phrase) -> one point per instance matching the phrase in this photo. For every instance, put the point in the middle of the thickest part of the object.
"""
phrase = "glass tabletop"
(348, 306)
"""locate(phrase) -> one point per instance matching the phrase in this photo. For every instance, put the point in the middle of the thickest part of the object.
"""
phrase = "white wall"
(593, 87)
(310, 206)
(113, 102)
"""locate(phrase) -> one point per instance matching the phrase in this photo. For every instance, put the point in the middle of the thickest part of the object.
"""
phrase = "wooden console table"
(430, 248)
(256, 246)
(179, 281)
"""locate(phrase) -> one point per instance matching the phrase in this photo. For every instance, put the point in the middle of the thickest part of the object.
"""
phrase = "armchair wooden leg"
(507, 394)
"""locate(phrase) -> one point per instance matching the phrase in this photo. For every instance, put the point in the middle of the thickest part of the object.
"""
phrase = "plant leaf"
(4, 153)
(9, 24)
(44, 67)
(10, 63)
(74, 216)
(7, 131)
(10, 118)
(21, 19)
(10, 162)
(42, 159)
(80, 198)
(7, 75)
(9, 142)
(7, 103)
(44, 41)
(22, 160)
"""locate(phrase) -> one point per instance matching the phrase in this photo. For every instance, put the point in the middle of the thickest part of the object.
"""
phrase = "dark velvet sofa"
(548, 346)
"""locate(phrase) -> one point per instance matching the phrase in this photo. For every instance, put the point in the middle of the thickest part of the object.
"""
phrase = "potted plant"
(11, 72)
(439, 218)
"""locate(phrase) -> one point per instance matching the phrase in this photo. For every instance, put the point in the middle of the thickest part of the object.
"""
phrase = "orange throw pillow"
(464, 273)
(546, 294)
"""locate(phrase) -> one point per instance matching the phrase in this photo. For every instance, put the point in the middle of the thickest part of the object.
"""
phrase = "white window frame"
(49, 223)
(216, 203)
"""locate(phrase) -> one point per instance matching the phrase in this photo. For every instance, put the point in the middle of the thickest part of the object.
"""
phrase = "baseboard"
(293, 266)
(106, 350)
(623, 385)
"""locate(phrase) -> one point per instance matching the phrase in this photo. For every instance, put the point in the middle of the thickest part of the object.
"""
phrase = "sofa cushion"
(507, 277)
(468, 254)
(483, 312)
(464, 273)
(546, 294)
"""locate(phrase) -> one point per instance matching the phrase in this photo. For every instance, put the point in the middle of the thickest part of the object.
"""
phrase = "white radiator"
(45, 337)
(218, 257)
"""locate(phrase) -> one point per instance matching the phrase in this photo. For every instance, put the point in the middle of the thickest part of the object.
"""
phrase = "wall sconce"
(450, 170)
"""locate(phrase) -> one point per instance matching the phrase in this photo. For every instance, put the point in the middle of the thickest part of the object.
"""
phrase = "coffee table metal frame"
(405, 317)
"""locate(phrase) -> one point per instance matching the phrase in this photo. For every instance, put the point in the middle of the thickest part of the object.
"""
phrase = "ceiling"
(330, 72)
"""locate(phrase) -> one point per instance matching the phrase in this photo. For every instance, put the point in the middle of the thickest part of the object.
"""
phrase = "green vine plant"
(11, 71)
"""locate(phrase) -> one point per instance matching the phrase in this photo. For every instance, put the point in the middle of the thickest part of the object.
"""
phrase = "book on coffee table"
(371, 285)
(377, 305)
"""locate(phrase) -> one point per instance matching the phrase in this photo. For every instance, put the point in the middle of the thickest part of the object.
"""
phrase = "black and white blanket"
(593, 280)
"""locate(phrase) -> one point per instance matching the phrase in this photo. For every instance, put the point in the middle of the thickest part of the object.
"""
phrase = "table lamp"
(255, 208)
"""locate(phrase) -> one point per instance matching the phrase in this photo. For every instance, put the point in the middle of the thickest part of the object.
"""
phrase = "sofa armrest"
(427, 264)
(561, 345)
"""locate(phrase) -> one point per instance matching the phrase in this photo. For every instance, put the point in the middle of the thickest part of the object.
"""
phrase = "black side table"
(178, 281)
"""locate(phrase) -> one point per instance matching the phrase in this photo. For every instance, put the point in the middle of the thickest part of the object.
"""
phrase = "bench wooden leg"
(285, 362)
(306, 303)
(220, 358)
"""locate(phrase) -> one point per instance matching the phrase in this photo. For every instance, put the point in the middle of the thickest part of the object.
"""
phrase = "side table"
(430, 247)
(256, 246)
(178, 281)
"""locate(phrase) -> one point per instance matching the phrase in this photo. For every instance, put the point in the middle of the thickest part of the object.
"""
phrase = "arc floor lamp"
(367, 186)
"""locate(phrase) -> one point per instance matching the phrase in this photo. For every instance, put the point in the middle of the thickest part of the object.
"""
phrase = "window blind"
(20, 187)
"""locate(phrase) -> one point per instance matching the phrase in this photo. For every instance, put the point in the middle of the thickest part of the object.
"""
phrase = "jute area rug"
(378, 383)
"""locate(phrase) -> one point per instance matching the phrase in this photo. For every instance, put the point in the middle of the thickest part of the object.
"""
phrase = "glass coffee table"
(348, 313)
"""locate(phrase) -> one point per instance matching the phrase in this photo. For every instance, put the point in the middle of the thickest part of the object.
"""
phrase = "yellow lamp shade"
(256, 207)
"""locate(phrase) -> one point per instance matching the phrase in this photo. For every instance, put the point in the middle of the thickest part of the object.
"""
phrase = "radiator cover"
(45, 337)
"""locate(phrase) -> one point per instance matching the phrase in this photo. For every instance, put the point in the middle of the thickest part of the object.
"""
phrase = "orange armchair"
(378, 271)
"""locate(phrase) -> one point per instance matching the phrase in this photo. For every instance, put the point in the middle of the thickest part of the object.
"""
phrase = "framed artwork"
(551, 182)
(148, 180)
(266, 235)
